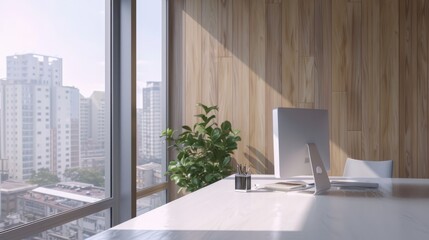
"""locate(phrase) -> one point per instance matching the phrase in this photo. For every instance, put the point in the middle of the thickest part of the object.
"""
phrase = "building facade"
(92, 130)
(152, 123)
(39, 126)
(27, 112)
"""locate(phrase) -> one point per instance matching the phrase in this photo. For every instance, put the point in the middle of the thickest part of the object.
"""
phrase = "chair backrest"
(370, 169)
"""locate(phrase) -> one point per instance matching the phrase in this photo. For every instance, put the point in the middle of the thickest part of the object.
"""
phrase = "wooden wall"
(366, 61)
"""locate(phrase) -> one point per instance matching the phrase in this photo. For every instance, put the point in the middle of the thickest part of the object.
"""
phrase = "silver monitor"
(293, 129)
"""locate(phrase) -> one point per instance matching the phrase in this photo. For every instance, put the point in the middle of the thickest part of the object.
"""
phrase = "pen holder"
(242, 182)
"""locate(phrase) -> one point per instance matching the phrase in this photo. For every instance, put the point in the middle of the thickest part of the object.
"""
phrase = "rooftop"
(11, 186)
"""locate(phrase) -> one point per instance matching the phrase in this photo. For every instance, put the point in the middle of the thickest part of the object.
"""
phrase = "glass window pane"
(153, 201)
(151, 92)
(78, 229)
(53, 126)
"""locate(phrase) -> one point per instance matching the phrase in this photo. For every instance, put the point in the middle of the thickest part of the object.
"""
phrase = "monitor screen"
(293, 128)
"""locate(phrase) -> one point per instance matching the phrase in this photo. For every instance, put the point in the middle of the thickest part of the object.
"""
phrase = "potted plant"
(203, 152)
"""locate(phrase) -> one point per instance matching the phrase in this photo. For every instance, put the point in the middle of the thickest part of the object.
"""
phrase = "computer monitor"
(293, 129)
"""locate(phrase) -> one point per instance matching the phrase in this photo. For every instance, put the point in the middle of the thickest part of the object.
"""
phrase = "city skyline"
(50, 128)
(55, 134)
(79, 41)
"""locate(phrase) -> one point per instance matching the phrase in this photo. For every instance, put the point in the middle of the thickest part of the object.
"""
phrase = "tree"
(43, 177)
(85, 175)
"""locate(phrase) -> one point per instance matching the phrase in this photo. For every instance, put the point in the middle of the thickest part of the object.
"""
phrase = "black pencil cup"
(243, 182)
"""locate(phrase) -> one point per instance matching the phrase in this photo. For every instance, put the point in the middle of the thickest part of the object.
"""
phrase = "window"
(41, 170)
(111, 138)
(151, 103)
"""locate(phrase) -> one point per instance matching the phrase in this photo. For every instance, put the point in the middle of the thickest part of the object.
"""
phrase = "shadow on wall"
(217, 29)
(259, 161)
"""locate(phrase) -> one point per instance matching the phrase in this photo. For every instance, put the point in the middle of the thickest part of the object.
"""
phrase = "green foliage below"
(85, 175)
(203, 152)
(43, 177)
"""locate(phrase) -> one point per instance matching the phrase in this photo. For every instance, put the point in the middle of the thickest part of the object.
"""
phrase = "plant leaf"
(226, 126)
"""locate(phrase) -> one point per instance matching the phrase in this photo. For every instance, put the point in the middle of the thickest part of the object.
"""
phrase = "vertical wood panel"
(176, 61)
(257, 86)
(422, 89)
(273, 67)
(176, 68)
(306, 80)
(407, 100)
(340, 45)
(290, 46)
(209, 49)
(370, 79)
(353, 87)
(338, 133)
(322, 53)
(354, 144)
(306, 51)
(306, 27)
(225, 89)
(389, 92)
(240, 68)
(225, 27)
(192, 59)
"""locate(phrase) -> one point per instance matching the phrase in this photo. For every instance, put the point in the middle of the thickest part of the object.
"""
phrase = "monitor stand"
(321, 179)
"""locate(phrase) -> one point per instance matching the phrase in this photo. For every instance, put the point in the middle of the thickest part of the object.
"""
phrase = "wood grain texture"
(407, 98)
(257, 43)
(354, 83)
(240, 71)
(290, 55)
(225, 27)
(306, 51)
(338, 133)
(389, 77)
(340, 45)
(176, 68)
(366, 61)
(273, 66)
(225, 89)
(209, 52)
(192, 60)
(306, 80)
(322, 54)
(370, 79)
(306, 27)
(354, 144)
(422, 89)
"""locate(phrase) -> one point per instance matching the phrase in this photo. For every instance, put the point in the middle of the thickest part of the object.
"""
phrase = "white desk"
(399, 209)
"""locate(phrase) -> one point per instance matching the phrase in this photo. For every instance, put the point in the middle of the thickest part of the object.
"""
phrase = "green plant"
(203, 152)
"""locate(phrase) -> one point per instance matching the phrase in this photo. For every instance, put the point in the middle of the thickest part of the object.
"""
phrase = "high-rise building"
(92, 130)
(139, 124)
(152, 123)
(65, 128)
(40, 117)
(97, 123)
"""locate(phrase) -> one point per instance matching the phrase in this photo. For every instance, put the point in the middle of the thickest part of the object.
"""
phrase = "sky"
(74, 30)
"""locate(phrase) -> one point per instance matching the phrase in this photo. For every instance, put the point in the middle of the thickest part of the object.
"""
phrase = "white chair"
(369, 169)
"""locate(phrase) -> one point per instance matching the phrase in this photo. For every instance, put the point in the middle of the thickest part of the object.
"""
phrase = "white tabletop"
(398, 209)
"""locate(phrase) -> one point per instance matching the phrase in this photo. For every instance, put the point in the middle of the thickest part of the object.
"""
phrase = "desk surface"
(398, 209)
